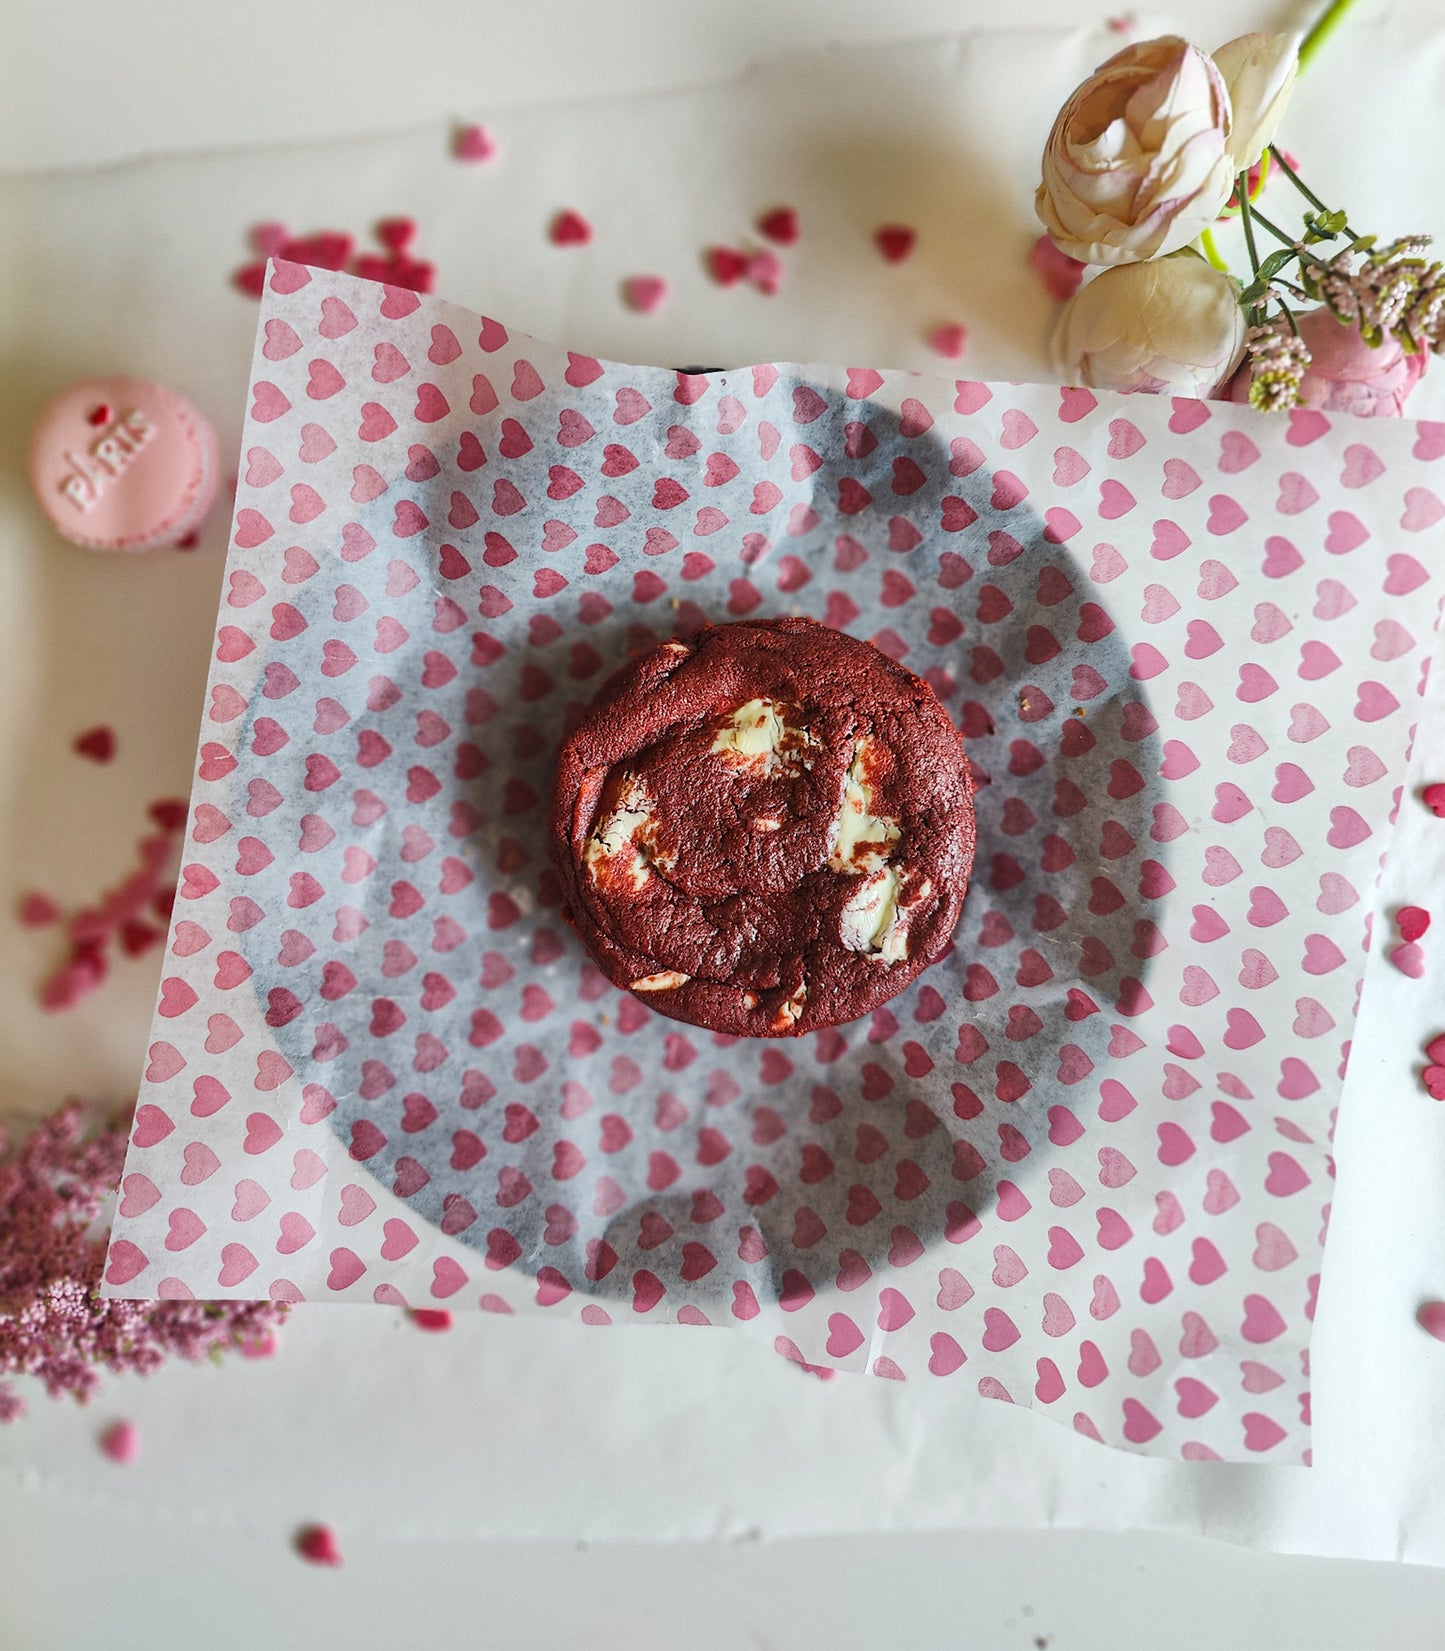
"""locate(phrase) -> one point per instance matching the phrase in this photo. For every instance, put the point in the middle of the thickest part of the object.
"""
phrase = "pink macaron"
(123, 464)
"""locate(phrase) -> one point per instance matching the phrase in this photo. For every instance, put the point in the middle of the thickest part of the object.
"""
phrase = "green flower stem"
(1324, 26)
(1254, 313)
(1303, 187)
(1297, 180)
(1246, 221)
(1289, 240)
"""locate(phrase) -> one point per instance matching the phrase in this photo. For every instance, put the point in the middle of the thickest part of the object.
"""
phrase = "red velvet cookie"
(765, 829)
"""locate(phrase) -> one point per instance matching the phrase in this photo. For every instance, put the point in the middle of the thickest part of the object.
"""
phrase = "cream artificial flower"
(1144, 154)
(1170, 326)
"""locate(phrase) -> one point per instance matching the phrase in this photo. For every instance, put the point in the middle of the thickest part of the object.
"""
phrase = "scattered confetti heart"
(474, 144)
(570, 229)
(36, 911)
(1430, 1316)
(1433, 796)
(644, 293)
(948, 341)
(169, 813)
(396, 233)
(1412, 922)
(1061, 275)
(96, 743)
(1409, 959)
(895, 241)
(765, 271)
(317, 1545)
(122, 914)
(726, 265)
(431, 1318)
(331, 249)
(121, 1441)
(780, 225)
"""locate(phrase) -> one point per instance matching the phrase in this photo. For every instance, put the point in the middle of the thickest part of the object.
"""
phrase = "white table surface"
(189, 1546)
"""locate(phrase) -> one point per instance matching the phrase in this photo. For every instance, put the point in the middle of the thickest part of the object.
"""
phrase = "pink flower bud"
(1345, 374)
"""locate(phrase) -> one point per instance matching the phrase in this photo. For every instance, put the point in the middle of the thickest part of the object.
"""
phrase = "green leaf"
(1276, 261)
(1324, 226)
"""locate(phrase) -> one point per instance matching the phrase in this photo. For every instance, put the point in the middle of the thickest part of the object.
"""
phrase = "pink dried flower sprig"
(1390, 297)
(1278, 361)
(54, 1192)
(1394, 293)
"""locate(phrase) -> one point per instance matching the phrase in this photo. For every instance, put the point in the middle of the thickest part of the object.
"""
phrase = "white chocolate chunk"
(758, 735)
(789, 1012)
(754, 729)
(764, 823)
(625, 838)
(864, 922)
(875, 920)
(861, 840)
(665, 981)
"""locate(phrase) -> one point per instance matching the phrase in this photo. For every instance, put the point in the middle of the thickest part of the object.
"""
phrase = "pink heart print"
(447, 535)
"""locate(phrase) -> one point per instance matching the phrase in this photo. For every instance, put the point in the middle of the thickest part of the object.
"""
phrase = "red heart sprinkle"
(317, 1544)
(38, 910)
(251, 279)
(1412, 922)
(474, 143)
(895, 241)
(644, 293)
(1060, 274)
(1433, 797)
(780, 225)
(431, 1318)
(169, 813)
(570, 229)
(96, 743)
(948, 341)
(726, 265)
(99, 415)
(396, 233)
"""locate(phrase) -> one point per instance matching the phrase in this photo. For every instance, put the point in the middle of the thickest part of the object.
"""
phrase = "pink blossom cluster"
(54, 1194)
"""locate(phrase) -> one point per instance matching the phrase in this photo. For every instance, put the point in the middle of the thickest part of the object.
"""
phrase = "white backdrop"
(474, 1470)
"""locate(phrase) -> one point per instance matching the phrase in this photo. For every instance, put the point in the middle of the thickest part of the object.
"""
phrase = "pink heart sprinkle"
(317, 1545)
(474, 144)
(121, 1441)
(948, 341)
(1409, 959)
(570, 229)
(644, 293)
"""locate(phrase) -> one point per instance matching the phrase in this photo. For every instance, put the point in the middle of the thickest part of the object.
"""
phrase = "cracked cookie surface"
(764, 829)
